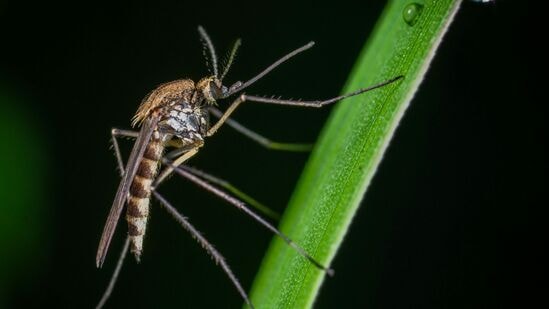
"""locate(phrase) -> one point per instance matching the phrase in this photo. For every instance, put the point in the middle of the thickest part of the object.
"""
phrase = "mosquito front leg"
(226, 115)
(243, 98)
(261, 140)
(319, 103)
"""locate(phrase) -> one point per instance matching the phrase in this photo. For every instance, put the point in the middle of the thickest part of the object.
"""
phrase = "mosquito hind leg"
(115, 274)
(115, 133)
(261, 140)
(226, 115)
(217, 257)
(240, 205)
(124, 133)
(234, 190)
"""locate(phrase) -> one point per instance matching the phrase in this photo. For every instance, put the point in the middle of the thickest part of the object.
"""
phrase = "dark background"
(446, 222)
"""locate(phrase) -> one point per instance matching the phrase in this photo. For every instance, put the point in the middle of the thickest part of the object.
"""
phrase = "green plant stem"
(350, 149)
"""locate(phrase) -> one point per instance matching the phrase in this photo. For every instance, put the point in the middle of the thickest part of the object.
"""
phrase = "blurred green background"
(443, 224)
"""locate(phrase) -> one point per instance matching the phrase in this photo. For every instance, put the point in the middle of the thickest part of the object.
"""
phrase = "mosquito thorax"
(186, 121)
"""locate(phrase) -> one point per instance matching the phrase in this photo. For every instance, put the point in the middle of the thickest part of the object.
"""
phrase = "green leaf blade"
(349, 150)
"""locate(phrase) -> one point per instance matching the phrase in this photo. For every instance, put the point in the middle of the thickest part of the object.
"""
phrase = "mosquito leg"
(115, 274)
(243, 98)
(218, 258)
(115, 132)
(234, 190)
(179, 151)
(124, 133)
(180, 160)
(246, 210)
(226, 115)
(179, 218)
(317, 103)
(261, 140)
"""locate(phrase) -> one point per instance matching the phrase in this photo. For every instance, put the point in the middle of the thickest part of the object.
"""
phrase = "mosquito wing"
(122, 193)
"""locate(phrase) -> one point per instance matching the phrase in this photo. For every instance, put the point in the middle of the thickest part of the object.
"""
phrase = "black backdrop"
(441, 225)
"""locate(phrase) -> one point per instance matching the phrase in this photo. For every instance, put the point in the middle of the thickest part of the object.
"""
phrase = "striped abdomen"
(137, 212)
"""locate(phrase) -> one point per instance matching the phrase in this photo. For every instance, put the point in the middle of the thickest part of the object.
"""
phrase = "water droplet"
(411, 13)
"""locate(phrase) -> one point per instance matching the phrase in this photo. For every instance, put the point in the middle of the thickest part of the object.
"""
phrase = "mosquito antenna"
(319, 103)
(230, 60)
(242, 207)
(238, 86)
(208, 44)
(115, 274)
(218, 258)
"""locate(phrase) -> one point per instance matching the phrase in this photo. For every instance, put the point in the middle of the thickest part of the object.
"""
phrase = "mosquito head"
(211, 88)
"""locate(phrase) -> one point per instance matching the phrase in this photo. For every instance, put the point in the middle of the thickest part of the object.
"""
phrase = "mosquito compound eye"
(214, 91)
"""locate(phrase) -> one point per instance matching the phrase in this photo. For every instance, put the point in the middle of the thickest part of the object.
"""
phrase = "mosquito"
(174, 121)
